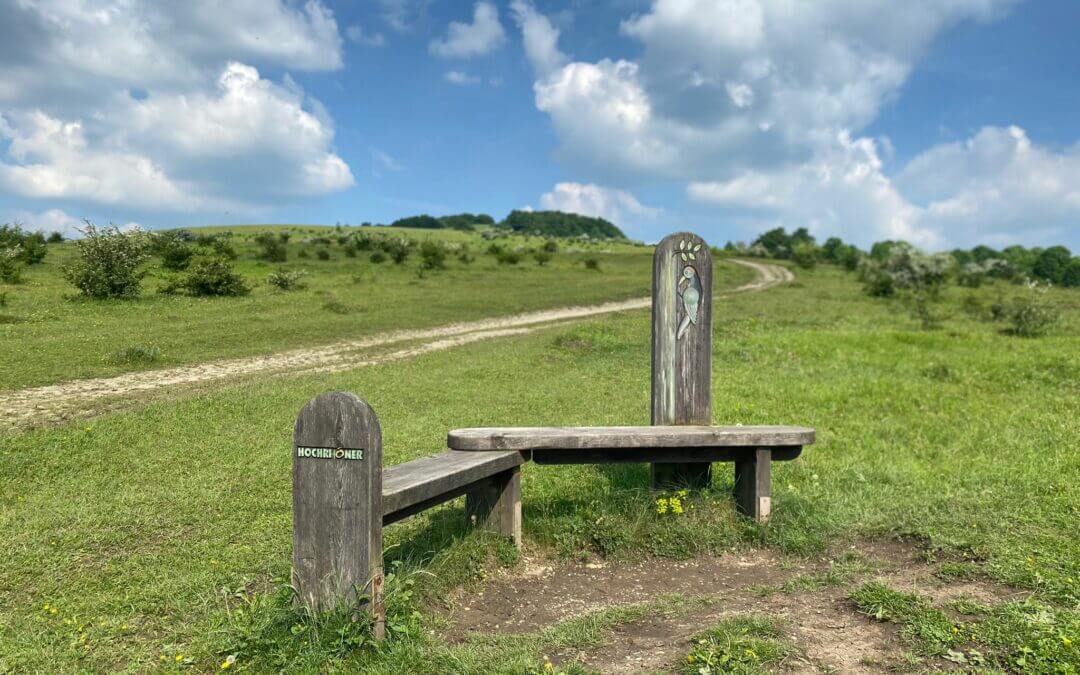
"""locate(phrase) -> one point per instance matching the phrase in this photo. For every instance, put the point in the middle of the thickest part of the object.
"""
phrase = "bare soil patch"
(829, 634)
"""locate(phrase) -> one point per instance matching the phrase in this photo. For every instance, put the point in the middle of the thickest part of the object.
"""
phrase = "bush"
(592, 263)
(55, 238)
(30, 246)
(464, 256)
(287, 280)
(542, 257)
(107, 262)
(906, 268)
(971, 275)
(550, 246)
(10, 265)
(1071, 278)
(218, 244)
(805, 255)
(378, 257)
(1031, 315)
(273, 248)
(432, 256)
(211, 276)
(322, 254)
(173, 250)
(398, 249)
(508, 257)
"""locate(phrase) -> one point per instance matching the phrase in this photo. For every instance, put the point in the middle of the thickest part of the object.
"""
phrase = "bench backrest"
(681, 345)
(337, 503)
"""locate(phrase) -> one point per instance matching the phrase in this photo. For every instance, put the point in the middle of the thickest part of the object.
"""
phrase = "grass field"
(160, 537)
(345, 297)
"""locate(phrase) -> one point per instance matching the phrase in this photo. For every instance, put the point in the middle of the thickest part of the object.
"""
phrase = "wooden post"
(337, 505)
(753, 484)
(495, 504)
(682, 348)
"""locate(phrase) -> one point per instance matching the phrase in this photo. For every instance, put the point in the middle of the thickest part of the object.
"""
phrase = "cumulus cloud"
(460, 78)
(758, 106)
(588, 199)
(149, 106)
(179, 151)
(996, 188)
(464, 40)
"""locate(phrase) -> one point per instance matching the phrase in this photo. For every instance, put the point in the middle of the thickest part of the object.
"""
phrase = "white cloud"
(587, 199)
(758, 106)
(995, 188)
(464, 40)
(149, 106)
(540, 37)
(248, 141)
(460, 78)
(51, 220)
(357, 34)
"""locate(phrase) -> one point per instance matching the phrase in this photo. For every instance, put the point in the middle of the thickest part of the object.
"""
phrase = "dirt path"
(56, 402)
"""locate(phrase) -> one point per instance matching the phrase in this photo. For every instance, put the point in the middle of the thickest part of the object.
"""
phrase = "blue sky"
(943, 122)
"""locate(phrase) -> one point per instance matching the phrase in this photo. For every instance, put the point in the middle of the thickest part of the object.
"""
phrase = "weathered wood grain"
(681, 347)
(422, 483)
(659, 437)
(753, 484)
(337, 506)
(495, 504)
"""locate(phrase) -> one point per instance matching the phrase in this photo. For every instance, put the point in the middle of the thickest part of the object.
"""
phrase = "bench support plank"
(681, 348)
(495, 504)
(753, 484)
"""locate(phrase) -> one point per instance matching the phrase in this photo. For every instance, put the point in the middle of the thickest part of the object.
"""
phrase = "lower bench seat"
(490, 482)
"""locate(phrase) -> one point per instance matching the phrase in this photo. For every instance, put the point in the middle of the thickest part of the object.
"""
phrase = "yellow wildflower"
(228, 662)
(1065, 640)
(178, 658)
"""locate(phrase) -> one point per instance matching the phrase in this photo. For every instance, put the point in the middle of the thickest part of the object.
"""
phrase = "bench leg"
(495, 504)
(753, 484)
(670, 476)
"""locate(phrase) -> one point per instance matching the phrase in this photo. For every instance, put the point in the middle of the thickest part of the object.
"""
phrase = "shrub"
(30, 246)
(494, 249)
(1071, 278)
(335, 306)
(464, 256)
(218, 244)
(287, 280)
(592, 263)
(55, 238)
(322, 254)
(173, 250)
(272, 248)
(550, 246)
(508, 257)
(542, 257)
(905, 268)
(212, 276)
(805, 255)
(378, 257)
(971, 275)
(107, 262)
(432, 256)
(10, 265)
(1031, 315)
(398, 249)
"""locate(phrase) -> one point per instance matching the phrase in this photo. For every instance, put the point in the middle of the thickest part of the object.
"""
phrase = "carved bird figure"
(689, 290)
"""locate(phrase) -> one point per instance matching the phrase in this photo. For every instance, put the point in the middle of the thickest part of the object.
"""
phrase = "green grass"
(1030, 636)
(142, 526)
(49, 334)
(742, 645)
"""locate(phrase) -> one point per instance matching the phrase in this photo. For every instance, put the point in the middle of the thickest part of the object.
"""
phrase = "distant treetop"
(559, 224)
(461, 221)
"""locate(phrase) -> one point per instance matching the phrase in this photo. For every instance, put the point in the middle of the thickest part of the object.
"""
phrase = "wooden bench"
(342, 498)
(751, 448)
(680, 446)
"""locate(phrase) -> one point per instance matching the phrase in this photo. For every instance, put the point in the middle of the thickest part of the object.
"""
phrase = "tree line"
(540, 223)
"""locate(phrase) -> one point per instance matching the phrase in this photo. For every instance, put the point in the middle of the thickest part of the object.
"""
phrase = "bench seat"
(588, 445)
(414, 486)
